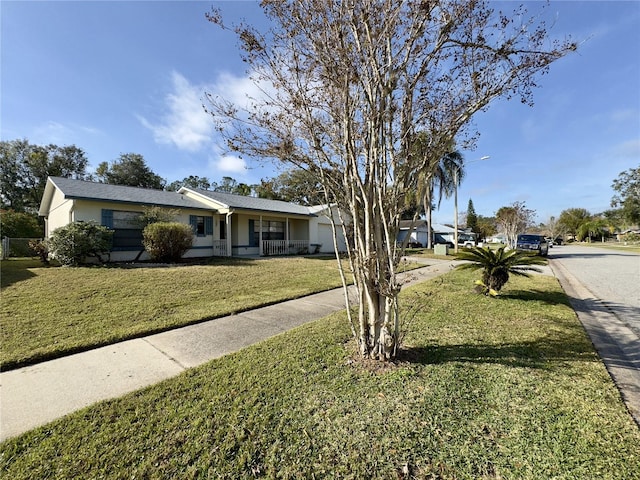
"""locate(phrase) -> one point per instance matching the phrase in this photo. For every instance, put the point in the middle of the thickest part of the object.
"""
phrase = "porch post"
(260, 239)
(286, 236)
(227, 222)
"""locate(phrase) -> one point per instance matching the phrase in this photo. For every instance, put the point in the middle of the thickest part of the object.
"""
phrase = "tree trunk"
(427, 210)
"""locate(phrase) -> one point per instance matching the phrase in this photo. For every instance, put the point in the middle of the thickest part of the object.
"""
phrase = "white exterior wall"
(63, 212)
(320, 232)
(298, 229)
(240, 235)
(59, 213)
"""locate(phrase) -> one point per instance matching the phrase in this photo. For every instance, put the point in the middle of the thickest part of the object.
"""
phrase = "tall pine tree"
(472, 218)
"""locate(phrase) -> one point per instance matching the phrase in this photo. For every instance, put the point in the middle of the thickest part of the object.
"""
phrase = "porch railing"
(219, 248)
(285, 247)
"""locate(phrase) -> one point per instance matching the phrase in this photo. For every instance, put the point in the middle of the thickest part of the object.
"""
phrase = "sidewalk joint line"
(165, 354)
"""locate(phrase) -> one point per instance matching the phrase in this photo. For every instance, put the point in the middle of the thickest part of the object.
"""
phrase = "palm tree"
(449, 169)
(437, 176)
(593, 228)
(497, 266)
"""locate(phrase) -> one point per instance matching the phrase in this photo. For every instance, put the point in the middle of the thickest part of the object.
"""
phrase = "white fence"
(285, 247)
(220, 248)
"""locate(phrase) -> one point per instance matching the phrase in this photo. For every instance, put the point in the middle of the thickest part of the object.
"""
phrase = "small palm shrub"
(497, 265)
(167, 241)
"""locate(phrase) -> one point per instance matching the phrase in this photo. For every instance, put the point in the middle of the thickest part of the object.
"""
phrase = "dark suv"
(533, 243)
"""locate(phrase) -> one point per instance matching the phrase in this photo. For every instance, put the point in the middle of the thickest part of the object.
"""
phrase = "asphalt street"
(603, 287)
(612, 276)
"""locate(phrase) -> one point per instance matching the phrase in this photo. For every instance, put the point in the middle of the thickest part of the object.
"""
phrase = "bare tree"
(553, 228)
(347, 87)
(513, 220)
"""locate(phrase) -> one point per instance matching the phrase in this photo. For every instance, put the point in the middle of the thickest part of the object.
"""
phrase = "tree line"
(579, 224)
(572, 223)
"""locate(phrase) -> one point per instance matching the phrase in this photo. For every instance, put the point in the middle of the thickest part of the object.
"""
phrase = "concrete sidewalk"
(35, 395)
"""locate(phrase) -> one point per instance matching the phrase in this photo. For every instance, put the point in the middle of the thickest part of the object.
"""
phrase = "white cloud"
(60, 134)
(52, 132)
(229, 163)
(185, 125)
(241, 91)
(624, 116)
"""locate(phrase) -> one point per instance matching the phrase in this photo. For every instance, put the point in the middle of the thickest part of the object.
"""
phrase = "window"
(270, 230)
(202, 226)
(127, 229)
(126, 220)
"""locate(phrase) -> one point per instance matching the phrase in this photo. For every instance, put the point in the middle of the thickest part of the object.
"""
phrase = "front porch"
(247, 235)
(269, 248)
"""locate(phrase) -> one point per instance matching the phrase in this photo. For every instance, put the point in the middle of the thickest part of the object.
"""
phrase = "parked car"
(466, 240)
(533, 243)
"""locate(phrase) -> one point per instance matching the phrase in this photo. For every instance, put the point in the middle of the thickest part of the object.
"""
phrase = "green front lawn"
(505, 388)
(47, 312)
(634, 248)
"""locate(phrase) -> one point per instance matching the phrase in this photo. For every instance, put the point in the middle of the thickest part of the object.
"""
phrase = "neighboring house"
(417, 234)
(441, 233)
(500, 238)
(623, 235)
(223, 224)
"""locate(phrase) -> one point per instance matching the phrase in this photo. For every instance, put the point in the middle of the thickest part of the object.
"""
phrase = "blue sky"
(119, 77)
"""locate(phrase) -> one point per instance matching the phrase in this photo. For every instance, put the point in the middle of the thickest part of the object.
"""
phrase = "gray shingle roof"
(436, 227)
(79, 189)
(241, 202)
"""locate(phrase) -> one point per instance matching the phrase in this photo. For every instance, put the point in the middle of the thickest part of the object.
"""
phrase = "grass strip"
(621, 247)
(506, 388)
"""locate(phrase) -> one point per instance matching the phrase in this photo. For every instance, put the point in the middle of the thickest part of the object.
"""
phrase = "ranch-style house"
(224, 224)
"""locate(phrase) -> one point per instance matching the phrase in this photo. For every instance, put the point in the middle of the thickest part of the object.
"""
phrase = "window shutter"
(208, 226)
(252, 234)
(107, 218)
(193, 221)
